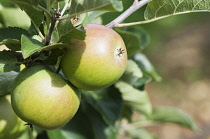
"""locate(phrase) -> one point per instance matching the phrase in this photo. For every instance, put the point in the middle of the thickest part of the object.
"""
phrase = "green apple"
(43, 98)
(11, 126)
(96, 62)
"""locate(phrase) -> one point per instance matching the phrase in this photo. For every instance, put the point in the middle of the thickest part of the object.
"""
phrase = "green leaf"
(141, 133)
(101, 129)
(6, 3)
(35, 15)
(135, 38)
(27, 2)
(55, 46)
(7, 61)
(131, 41)
(142, 81)
(173, 115)
(54, 57)
(74, 128)
(132, 73)
(82, 6)
(67, 31)
(141, 34)
(134, 98)
(158, 9)
(12, 44)
(72, 135)
(146, 65)
(63, 134)
(12, 33)
(55, 134)
(15, 17)
(29, 46)
(94, 128)
(127, 113)
(108, 102)
(43, 3)
(95, 14)
(6, 81)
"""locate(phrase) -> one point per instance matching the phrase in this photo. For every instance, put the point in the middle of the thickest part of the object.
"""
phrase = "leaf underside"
(158, 9)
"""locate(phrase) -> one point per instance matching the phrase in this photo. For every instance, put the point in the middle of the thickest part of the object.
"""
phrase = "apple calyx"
(120, 52)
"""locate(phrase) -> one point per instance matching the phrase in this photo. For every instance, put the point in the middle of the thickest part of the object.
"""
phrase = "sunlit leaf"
(15, 17)
(83, 6)
(158, 9)
(37, 16)
(29, 46)
(134, 98)
(54, 46)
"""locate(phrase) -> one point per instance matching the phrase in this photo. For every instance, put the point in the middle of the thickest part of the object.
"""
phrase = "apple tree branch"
(135, 6)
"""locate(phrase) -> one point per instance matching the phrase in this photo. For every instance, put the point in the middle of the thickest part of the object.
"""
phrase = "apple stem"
(135, 6)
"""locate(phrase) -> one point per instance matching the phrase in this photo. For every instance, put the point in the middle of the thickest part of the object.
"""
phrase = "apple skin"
(11, 126)
(43, 98)
(95, 63)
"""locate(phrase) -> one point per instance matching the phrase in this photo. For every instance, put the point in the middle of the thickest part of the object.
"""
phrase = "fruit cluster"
(43, 98)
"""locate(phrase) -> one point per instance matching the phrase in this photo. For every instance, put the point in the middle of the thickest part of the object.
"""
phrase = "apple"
(11, 126)
(43, 98)
(96, 62)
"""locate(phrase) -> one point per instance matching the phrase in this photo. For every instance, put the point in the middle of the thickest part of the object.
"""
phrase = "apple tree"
(77, 69)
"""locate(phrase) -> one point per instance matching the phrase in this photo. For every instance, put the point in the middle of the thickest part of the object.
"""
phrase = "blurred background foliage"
(179, 49)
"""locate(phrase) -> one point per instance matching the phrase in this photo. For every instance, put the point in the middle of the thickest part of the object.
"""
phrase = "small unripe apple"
(43, 98)
(11, 126)
(96, 62)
